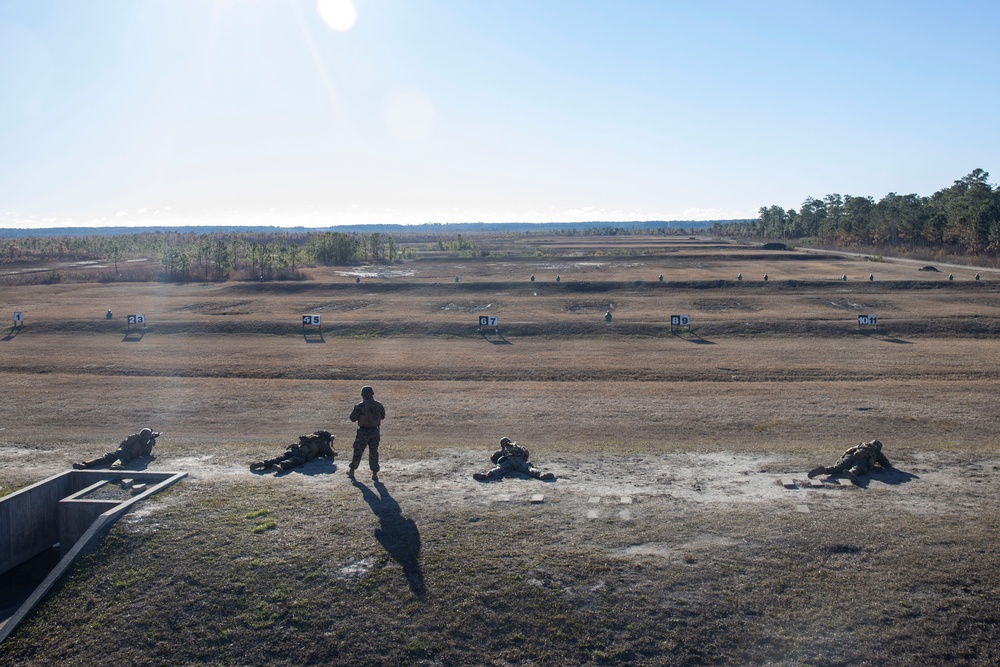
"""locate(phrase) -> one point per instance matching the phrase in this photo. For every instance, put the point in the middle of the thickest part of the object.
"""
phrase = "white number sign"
(312, 319)
(680, 320)
(18, 317)
(136, 319)
(867, 319)
(488, 321)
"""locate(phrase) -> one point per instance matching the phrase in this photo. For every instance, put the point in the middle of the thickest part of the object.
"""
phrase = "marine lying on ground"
(856, 461)
(308, 448)
(510, 458)
(133, 447)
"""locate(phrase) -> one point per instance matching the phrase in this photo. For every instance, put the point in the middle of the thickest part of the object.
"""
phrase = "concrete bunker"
(67, 513)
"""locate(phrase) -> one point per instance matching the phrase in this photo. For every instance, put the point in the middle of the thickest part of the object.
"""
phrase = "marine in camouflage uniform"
(134, 446)
(511, 457)
(856, 461)
(369, 414)
(308, 448)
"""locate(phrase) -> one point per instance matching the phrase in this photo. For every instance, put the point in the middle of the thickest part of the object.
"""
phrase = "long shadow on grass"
(499, 340)
(692, 337)
(13, 332)
(321, 466)
(397, 534)
(893, 476)
(885, 338)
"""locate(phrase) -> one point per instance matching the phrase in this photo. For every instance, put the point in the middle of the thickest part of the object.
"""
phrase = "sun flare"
(339, 15)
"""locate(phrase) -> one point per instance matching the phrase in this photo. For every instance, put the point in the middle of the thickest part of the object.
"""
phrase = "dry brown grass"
(776, 373)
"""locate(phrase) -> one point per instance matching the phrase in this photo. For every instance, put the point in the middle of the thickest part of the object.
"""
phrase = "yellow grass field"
(696, 426)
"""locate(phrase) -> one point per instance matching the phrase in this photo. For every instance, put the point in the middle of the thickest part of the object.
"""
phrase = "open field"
(666, 539)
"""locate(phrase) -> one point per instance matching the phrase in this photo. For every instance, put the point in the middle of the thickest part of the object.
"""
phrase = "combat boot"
(546, 476)
(375, 477)
(851, 476)
(815, 472)
(350, 473)
(79, 466)
(479, 476)
(278, 468)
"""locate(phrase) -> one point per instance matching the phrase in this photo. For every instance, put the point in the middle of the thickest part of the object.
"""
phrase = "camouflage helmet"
(876, 445)
(367, 391)
(325, 435)
(146, 432)
(506, 441)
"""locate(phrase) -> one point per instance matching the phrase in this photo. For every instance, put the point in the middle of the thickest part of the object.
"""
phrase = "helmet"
(146, 432)
(367, 391)
(876, 444)
(506, 441)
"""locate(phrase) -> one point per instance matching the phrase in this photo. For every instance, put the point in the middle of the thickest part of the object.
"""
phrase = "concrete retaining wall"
(57, 509)
(29, 521)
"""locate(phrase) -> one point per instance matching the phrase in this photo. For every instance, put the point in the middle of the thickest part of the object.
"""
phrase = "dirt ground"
(669, 447)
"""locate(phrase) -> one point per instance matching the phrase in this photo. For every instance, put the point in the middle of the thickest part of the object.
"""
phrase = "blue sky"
(143, 112)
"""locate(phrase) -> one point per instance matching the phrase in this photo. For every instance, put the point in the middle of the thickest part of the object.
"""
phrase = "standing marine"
(132, 447)
(308, 448)
(856, 461)
(369, 414)
(511, 457)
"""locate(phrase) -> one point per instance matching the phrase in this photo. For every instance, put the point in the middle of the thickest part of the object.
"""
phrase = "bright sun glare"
(340, 15)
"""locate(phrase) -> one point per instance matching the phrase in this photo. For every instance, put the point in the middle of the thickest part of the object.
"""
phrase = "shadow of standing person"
(397, 534)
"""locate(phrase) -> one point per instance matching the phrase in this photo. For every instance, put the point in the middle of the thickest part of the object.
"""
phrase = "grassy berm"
(275, 573)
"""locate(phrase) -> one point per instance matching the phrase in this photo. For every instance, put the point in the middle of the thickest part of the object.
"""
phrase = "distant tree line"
(962, 218)
(214, 256)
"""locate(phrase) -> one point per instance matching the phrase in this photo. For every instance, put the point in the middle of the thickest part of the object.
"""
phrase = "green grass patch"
(263, 526)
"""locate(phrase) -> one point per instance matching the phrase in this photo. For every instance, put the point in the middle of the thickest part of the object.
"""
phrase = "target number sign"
(18, 317)
(137, 319)
(312, 319)
(680, 320)
(488, 321)
(867, 319)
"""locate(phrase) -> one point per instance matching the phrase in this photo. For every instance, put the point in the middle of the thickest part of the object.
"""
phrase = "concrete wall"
(29, 521)
(46, 503)
(76, 514)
